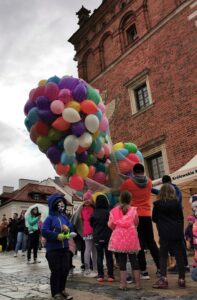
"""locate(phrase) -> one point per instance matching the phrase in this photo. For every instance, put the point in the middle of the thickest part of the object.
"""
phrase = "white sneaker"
(15, 255)
(23, 253)
(90, 274)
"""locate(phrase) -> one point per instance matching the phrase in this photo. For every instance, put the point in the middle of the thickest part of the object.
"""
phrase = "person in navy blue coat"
(54, 229)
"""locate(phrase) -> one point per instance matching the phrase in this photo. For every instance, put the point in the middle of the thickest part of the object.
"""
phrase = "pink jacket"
(86, 214)
(124, 237)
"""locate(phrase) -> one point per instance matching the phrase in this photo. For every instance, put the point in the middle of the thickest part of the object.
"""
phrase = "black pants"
(177, 248)
(183, 246)
(58, 261)
(3, 243)
(33, 242)
(146, 238)
(102, 248)
(122, 259)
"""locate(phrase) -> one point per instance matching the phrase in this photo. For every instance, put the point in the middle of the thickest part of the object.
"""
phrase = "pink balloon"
(91, 171)
(100, 177)
(103, 124)
(65, 95)
(107, 150)
(133, 157)
(57, 107)
(76, 182)
(101, 153)
(102, 107)
(51, 90)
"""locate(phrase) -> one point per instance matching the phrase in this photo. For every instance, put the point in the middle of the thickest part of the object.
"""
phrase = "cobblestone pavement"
(21, 281)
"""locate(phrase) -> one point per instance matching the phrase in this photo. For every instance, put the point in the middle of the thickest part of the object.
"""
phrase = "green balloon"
(73, 168)
(91, 160)
(93, 95)
(54, 135)
(130, 147)
(43, 143)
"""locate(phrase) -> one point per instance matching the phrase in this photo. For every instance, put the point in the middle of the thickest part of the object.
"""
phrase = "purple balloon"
(43, 102)
(80, 92)
(78, 128)
(46, 116)
(54, 154)
(82, 157)
(68, 82)
(29, 105)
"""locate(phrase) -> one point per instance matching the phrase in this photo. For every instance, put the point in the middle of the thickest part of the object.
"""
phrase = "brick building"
(141, 55)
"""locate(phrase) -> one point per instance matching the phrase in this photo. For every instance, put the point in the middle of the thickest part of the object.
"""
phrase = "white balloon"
(71, 115)
(92, 123)
(85, 140)
(71, 144)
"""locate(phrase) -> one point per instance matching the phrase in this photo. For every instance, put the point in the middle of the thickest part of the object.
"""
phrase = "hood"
(102, 202)
(52, 200)
(141, 181)
(166, 205)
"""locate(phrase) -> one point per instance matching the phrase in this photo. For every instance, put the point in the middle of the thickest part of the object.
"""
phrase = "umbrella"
(44, 210)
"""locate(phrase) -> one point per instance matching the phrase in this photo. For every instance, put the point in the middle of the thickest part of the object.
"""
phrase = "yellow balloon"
(118, 146)
(95, 195)
(75, 105)
(95, 135)
(82, 170)
(42, 82)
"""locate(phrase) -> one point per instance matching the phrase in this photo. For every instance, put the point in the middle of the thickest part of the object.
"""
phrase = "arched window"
(128, 30)
(106, 48)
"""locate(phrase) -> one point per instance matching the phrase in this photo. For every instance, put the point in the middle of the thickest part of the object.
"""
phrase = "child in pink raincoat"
(124, 241)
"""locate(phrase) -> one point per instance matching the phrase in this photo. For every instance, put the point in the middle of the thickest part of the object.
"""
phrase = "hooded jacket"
(99, 220)
(140, 189)
(168, 216)
(53, 225)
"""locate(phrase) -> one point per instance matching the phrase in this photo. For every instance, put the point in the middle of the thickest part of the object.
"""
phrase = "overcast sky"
(33, 46)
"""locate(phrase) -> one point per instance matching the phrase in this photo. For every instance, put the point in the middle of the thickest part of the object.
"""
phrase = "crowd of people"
(121, 234)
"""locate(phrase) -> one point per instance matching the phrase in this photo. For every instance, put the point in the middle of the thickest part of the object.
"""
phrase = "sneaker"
(162, 283)
(66, 296)
(173, 270)
(181, 283)
(90, 274)
(129, 279)
(15, 255)
(100, 279)
(145, 276)
(36, 261)
(58, 297)
(29, 261)
(110, 279)
(23, 253)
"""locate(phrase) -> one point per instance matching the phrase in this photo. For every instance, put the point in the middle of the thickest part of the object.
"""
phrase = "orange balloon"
(89, 107)
(62, 169)
(60, 124)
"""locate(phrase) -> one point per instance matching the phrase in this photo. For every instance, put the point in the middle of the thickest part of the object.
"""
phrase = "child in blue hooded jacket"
(57, 249)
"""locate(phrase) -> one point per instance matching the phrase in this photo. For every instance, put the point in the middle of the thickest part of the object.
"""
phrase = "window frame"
(150, 166)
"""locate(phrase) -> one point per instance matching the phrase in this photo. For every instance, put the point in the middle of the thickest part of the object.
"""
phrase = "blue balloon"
(33, 115)
(99, 114)
(121, 153)
(67, 159)
(28, 123)
(54, 79)
(140, 156)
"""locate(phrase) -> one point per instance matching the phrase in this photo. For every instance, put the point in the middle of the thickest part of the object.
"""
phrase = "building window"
(131, 33)
(155, 166)
(36, 197)
(141, 96)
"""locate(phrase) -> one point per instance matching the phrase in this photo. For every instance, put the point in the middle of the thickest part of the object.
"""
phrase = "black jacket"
(21, 225)
(168, 216)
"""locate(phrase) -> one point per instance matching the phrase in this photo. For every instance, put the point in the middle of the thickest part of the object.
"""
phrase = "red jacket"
(141, 197)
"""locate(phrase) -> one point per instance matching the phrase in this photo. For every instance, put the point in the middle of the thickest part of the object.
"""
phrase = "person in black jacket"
(101, 236)
(168, 216)
(21, 235)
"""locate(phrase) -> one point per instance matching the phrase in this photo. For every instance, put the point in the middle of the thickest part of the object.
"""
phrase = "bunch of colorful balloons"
(66, 119)
(126, 155)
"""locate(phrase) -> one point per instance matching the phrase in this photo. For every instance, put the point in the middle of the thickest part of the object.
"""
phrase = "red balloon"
(76, 182)
(92, 171)
(34, 134)
(60, 124)
(62, 169)
(51, 90)
(89, 107)
(35, 93)
(81, 150)
(125, 166)
(42, 128)
(133, 157)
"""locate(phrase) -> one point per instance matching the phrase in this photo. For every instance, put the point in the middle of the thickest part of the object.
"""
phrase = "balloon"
(54, 79)
(99, 114)
(103, 123)
(118, 146)
(85, 140)
(46, 116)
(54, 154)
(121, 153)
(100, 167)
(54, 134)
(68, 82)
(92, 171)
(28, 106)
(27, 124)
(57, 107)
(100, 177)
(33, 134)
(107, 150)
(62, 169)
(43, 142)
(75, 105)
(42, 82)
(71, 115)
(130, 147)
(92, 123)
(93, 94)
(43, 102)
(72, 170)
(41, 128)
(67, 159)
(82, 157)
(88, 107)
(133, 157)
(96, 145)
(82, 170)
(65, 95)
(39, 91)
(51, 90)
(60, 124)
(78, 128)
(80, 92)
(33, 115)
(101, 153)
(91, 160)
(125, 166)
(76, 182)
(102, 107)
(140, 156)
(80, 150)
(71, 144)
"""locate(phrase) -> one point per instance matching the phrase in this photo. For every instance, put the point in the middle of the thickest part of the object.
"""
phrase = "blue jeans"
(21, 242)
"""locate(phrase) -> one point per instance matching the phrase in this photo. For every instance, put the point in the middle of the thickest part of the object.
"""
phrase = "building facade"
(141, 55)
